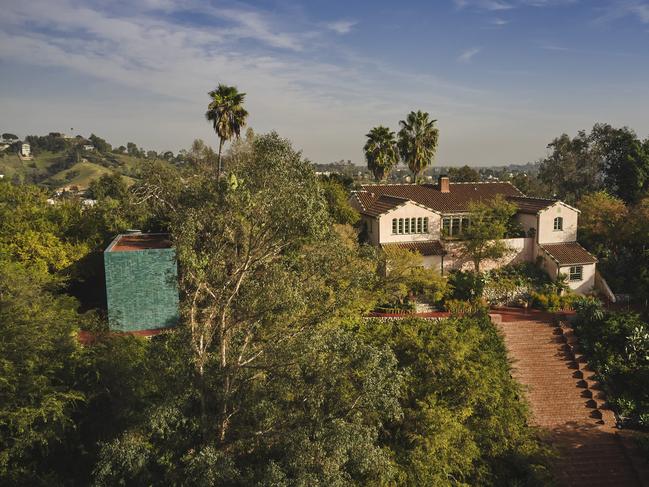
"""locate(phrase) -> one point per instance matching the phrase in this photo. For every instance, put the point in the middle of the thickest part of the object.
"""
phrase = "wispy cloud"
(149, 53)
(492, 5)
(641, 11)
(341, 26)
(498, 5)
(499, 22)
(468, 55)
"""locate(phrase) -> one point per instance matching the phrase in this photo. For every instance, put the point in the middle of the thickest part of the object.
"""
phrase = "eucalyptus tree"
(266, 279)
(381, 151)
(418, 139)
(227, 115)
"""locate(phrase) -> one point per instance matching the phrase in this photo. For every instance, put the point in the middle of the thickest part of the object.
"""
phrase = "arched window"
(394, 225)
(558, 224)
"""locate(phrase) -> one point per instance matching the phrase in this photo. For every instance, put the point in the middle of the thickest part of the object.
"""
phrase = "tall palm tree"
(418, 141)
(381, 151)
(227, 115)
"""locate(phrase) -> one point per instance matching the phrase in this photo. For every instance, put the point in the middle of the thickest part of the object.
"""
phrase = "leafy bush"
(549, 300)
(462, 415)
(460, 308)
(514, 283)
(465, 285)
(406, 278)
(617, 345)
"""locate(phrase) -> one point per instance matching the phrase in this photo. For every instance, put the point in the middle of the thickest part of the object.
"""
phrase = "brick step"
(561, 389)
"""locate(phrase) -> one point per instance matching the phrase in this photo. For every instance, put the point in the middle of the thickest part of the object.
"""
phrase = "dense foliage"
(271, 378)
(463, 422)
(617, 345)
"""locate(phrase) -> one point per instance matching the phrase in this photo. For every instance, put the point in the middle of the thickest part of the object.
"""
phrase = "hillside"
(81, 175)
(59, 162)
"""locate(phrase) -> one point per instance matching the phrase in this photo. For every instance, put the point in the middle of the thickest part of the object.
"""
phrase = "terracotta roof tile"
(383, 204)
(428, 247)
(526, 204)
(569, 253)
(456, 200)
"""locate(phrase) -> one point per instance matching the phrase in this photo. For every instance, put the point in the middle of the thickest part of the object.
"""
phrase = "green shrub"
(617, 345)
(470, 308)
(465, 285)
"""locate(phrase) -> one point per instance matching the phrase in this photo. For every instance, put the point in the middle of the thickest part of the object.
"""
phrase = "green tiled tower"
(141, 282)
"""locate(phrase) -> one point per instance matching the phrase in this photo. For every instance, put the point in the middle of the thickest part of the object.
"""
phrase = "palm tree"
(418, 141)
(227, 115)
(381, 151)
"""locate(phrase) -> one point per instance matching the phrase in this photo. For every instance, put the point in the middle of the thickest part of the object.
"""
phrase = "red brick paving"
(591, 454)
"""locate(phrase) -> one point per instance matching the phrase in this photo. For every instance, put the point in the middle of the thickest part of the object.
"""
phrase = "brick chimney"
(444, 184)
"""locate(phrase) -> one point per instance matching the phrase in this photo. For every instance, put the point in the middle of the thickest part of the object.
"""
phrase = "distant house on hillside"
(141, 282)
(88, 147)
(430, 218)
(25, 150)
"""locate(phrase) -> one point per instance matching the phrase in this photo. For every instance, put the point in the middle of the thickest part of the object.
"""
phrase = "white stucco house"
(25, 150)
(429, 219)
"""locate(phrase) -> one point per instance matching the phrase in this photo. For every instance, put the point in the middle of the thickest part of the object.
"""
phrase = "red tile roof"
(456, 200)
(527, 204)
(428, 247)
(569, 253)
(383, 204)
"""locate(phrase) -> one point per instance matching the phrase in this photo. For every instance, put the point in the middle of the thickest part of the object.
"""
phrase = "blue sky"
(503, 77)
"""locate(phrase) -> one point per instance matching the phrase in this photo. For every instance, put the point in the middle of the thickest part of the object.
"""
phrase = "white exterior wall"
(527, 221)
(546, 232)
(372, 226)
(587, 284)
(409, 210)
(547, 264)
(522, 250)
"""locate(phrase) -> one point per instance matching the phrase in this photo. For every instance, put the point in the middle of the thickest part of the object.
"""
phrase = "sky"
(502, 77)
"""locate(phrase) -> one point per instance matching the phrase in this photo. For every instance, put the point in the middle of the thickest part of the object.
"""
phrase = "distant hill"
(63, 161)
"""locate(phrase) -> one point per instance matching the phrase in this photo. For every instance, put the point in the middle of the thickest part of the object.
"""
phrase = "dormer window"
(558, 224)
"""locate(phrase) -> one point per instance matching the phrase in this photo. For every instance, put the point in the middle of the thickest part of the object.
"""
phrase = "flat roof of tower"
(131, 242)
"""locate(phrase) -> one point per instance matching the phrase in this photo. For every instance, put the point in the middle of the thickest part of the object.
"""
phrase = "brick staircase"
(567, 403)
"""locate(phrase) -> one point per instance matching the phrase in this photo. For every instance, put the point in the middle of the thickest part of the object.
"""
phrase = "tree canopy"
(226, 114)
(381, 151)
(418, 139)
(482, 239)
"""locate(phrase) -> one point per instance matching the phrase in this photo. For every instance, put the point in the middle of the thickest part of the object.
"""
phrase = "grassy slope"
(40, 169)
(10, 164)
(80, 174)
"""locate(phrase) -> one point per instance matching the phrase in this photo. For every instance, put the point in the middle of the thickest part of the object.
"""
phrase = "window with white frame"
(558, 224)
(576, 273)
(454, 226)
(414, 225)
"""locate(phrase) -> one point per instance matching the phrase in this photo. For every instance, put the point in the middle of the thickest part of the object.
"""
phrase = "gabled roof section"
(532, 206)
(428, 195)
(527, 204)
(383, 204)
(425, 248)
(569, 253)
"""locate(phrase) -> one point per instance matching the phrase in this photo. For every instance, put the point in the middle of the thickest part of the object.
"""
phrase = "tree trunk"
(219, 168)
(202, 394)
(226, 382)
